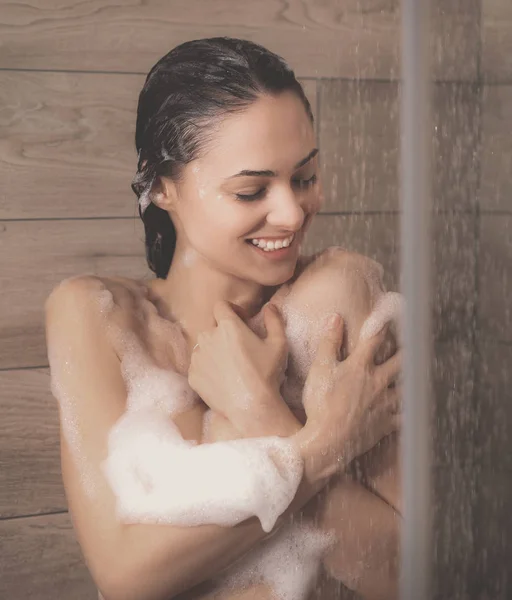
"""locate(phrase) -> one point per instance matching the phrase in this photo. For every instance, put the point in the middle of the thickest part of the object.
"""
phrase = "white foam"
(288, 562)
(157, 476)
(388, 308)
(149, 386)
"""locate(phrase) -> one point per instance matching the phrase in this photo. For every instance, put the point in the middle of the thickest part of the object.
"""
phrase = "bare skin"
(218, 209)
(363, 512)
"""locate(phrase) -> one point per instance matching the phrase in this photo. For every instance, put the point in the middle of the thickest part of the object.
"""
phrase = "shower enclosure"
(416, 175)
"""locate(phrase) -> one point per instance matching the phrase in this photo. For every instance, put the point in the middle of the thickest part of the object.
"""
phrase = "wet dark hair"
(184, 93)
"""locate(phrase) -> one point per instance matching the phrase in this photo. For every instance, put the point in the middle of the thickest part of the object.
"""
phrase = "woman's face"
(257, 182)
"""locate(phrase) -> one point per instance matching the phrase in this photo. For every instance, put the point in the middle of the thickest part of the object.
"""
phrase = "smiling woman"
(164, 383)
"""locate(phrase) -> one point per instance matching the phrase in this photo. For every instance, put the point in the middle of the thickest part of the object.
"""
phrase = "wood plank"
(30, 476)
(41, 560)
(492, 540)
(68, 149)
(360, 143)
(497, 41)
(320, 38)
(494, 425)
(39, 254)
(495, 277)
(496, 148)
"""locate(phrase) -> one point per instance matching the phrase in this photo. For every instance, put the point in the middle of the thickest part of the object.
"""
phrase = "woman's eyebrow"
(301, 163)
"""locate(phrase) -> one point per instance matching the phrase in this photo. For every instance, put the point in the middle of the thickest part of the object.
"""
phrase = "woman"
(227, 185)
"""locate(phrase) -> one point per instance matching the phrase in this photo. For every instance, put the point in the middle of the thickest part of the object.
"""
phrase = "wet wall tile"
(454, 417)
(495, 277)
(360, 145)
(455, 40)
(453, 498)
(494, 405)
(378, 236)
(496, 188)
(497, 40)
(493, 536)
(320, 38)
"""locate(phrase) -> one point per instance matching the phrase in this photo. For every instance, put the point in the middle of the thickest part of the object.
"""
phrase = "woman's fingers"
(389, 371)
(393, 400)
(367, 348)
(274, 324)
(224, 311)
(329, 346)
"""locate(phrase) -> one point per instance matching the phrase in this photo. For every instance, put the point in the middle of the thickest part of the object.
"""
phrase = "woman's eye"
(256, 196)
(304, 183)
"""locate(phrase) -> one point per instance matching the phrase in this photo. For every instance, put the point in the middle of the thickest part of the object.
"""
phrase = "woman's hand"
(350, 405)
(234, 371)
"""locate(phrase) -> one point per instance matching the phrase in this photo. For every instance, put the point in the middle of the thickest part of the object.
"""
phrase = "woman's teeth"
(270, 245)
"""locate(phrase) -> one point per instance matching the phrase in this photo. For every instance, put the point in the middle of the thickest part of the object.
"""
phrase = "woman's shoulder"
(96, 297)
(122, 291)
(336, 259)
(102, 304)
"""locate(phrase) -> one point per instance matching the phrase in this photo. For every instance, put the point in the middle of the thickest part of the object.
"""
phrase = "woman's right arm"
(139, 562)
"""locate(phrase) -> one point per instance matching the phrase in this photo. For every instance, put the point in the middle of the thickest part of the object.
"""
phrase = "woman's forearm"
(162, 561)
(365, 556)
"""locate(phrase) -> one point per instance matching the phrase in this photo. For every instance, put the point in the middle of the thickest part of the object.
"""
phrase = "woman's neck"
(189, 293)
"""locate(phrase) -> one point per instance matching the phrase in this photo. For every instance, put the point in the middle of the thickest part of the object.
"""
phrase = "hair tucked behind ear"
(184, 93)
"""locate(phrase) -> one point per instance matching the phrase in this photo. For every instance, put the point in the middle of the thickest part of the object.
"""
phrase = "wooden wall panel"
(356, 38)
(41, 560)
(43, 253)
(497, 41)
(360, 142)
(68, 149)
(495, 277)
(30, 478)
(496, 148)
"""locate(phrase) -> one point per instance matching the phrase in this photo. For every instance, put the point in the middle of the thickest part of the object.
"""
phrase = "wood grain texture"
(43, 253)
(30, 477)
(319, 38)
(495, 277)
(453, 510)
(360, 142)
(41, 560)
(497, 41)
(68, 147)
(377, 236)
(492, 540)
(496, 149)
(495, 406)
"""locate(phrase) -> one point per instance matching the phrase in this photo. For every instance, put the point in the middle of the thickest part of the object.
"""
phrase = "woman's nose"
(286, 211)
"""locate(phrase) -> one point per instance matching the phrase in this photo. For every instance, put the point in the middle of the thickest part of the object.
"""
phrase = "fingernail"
(333, 320)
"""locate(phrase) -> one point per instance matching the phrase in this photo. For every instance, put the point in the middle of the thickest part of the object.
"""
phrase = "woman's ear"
(164, 193)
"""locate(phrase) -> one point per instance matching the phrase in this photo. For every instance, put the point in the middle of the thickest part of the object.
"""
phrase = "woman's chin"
(279, 276)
